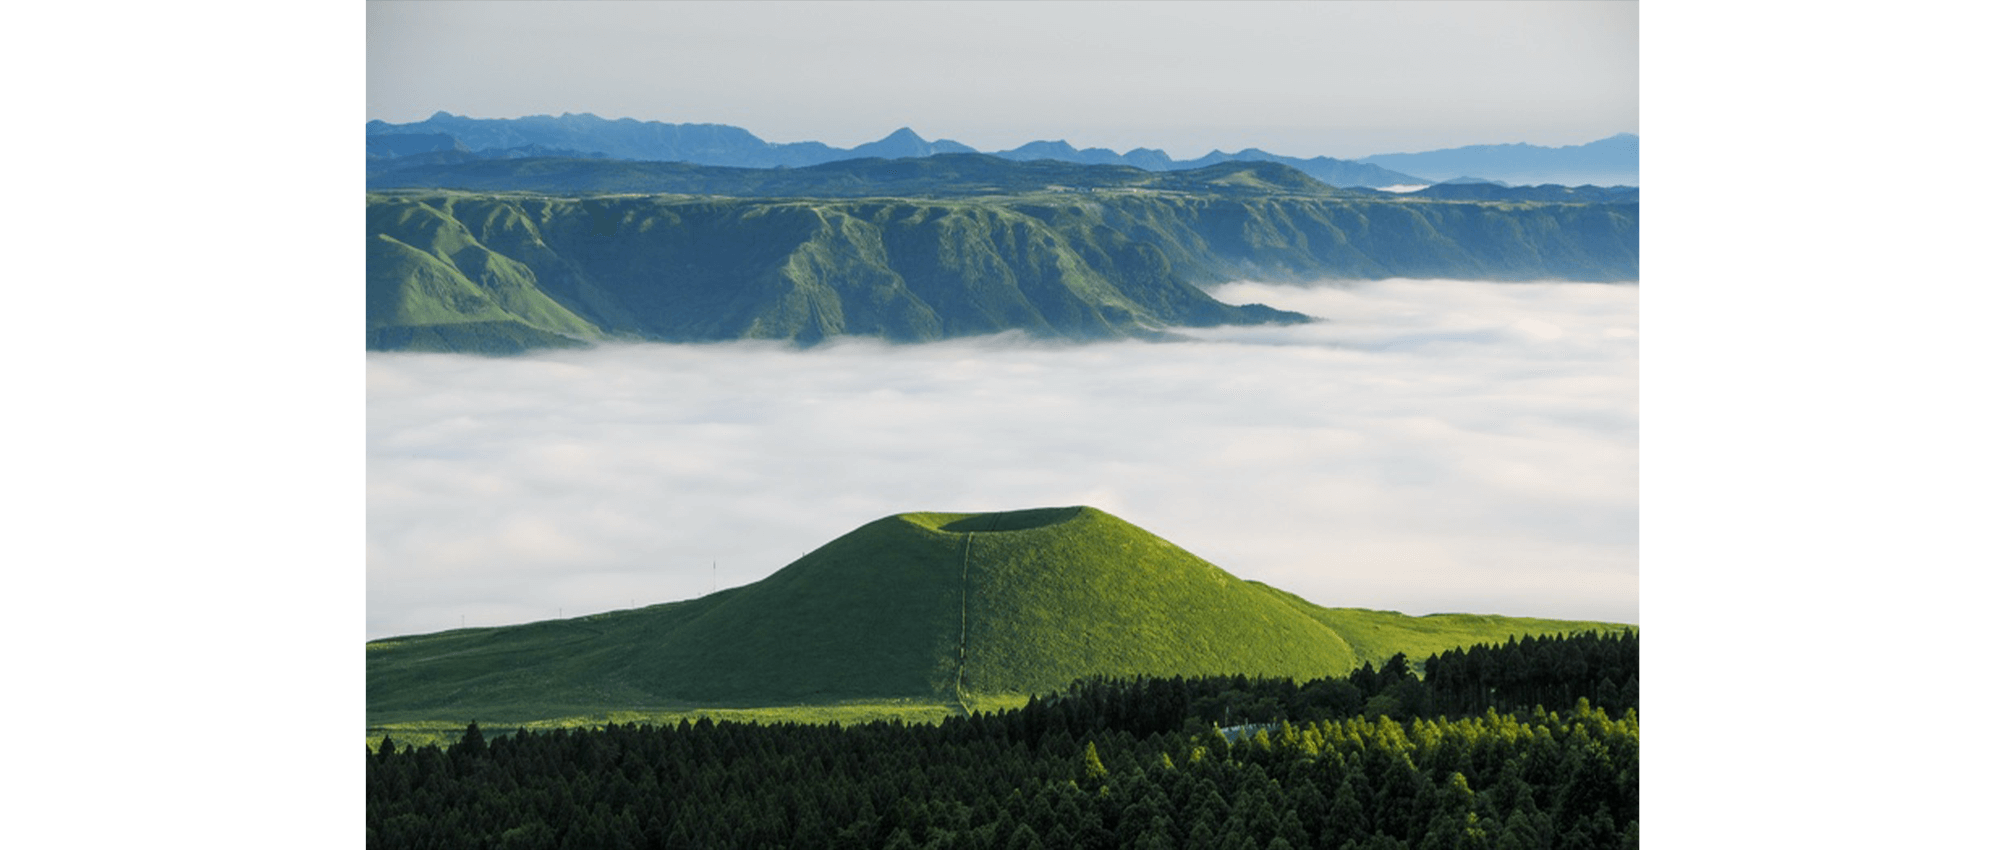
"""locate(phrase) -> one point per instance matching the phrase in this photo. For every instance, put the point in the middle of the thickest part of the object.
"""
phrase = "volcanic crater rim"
(1004, 521)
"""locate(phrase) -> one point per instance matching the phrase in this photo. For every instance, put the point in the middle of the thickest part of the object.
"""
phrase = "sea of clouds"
(1430, 446)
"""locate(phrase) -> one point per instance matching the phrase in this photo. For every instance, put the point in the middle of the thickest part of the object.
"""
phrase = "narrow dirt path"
(964, 592)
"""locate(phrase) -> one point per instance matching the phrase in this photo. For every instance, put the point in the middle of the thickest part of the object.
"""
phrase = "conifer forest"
(1530, 744)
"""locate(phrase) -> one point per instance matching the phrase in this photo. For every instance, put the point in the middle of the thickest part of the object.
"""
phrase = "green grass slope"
(1058, 593)
(433, 285)
(1065, 265)
(1378, 635)
(872, 614)
(902, 616)
(703, 269)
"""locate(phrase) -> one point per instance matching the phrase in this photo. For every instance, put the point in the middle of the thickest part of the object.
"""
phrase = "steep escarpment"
(1279, 238)
(505, 272)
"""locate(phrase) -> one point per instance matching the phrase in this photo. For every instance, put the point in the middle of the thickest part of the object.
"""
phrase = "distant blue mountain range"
(1611, 161)
(586, 135)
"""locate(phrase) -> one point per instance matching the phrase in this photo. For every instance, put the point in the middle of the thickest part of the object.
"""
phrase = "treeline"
(1517, 675)
(1089, 768)
(1535, 671)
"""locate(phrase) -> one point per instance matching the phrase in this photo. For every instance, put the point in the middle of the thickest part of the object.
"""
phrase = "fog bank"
(1432, 446)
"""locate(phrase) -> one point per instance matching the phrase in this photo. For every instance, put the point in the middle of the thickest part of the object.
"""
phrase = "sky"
(1434, 446)
(1342, 79)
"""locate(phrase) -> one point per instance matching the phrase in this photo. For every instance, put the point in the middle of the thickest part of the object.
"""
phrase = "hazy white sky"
(1342, 79)
(1437, 446)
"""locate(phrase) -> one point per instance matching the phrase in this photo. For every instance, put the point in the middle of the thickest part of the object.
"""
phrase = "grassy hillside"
(1055, 591)
(432, 285)
(871, 615)
(908, 616)
(1378, 635)
(685, 269)
(1060, 265)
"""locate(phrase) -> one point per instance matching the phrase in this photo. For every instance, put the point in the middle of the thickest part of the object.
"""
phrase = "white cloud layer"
(1432, 446)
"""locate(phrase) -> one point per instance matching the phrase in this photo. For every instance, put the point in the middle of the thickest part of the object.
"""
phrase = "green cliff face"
(506, 272)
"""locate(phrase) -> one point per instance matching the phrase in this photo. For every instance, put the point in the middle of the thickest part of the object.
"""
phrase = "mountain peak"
(933, 604)
(1048, 145)
(1027, 519)
(928, 606)
(898, 145)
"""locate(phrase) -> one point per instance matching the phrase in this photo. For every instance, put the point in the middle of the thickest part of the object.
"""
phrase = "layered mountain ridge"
(1110, 253)
(1610, 161)
(444, 137)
